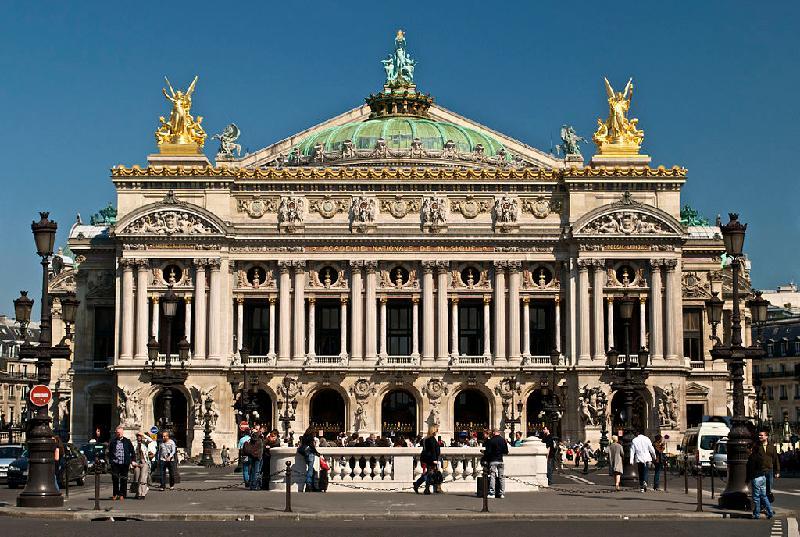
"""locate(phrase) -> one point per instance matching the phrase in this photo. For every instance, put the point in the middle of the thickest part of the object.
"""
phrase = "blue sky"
(716, 91)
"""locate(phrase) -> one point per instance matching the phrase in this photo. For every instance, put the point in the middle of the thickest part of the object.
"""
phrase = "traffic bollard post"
(96, 486)
(485, 489)
(666, 472)
(66, 480)
(288, 508)
(686, 473)
(699, 488)
(711, 471)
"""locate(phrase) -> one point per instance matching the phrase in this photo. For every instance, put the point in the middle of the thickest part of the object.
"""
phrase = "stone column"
(126, 347)
(343, 327)
(656, 311)
(154, 322)
(312, 326)
(285, 305)
(487, 326)
(272, 301)
(673, 294)
(382, 351)
(415, 327)
(526, 328)
(584, 314)
(514, 285)
(215, 327)
(187, 325)
(357, 322)
(299, 310)
(142, 275)
(571, 326)
(370, 311)
(240, 323)
(454, 326)
(500, 310)
(610, 303)
(428, 332)
(597, 308)
(557, 335)
(200, 308)
(442, 268)
(642, 322)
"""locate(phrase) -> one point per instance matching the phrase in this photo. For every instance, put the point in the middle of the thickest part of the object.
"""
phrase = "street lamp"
(168, 377)
(552, 405)
(40, 489)
(735, 494)
(69, 309)
(509, 417)
(287, 407)
(714, 311)
(208, 444)
(22, 311)
(628, 382)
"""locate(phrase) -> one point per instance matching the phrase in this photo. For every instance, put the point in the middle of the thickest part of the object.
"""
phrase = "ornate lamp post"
(248, 404)
(167, 377)
(22, 311)
(69, 309)
(41, 490)
(552, 406)
(287, 407)
(208, 445)
(735, 494)
(627, 381)
(509, 417)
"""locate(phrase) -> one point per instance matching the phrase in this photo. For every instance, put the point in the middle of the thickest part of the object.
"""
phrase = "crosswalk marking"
(777, 528)
(791, 527)
(579, 479)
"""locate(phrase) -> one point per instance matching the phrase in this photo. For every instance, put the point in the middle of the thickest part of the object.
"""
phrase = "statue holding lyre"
(181, 129)
(618, 134)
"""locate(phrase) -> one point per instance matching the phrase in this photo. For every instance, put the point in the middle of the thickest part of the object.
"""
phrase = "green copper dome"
(399, 132)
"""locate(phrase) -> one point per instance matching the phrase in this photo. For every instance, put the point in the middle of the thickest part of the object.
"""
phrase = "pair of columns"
(135, 314)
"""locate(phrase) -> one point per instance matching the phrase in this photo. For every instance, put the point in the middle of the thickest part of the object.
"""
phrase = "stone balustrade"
(390, 468)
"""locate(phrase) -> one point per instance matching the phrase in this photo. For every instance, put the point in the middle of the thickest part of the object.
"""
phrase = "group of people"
(254, 454)
(644, 453)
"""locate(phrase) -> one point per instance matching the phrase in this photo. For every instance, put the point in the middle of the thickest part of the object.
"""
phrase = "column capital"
(514, 266)
(383, 299)
(642, 300)
(598, 263)
(126, 263)
(299, 266)
(200, 262)
(671, 264)
(371, 266)
(557, 299)
(356, 264)
(312, 299)
(526, 299)
(273, 300)
(500, 264)
(454, 299)
(284, 266)
(155, 299)
(344, 299)
(142, 265)
(610, 299)
(428, 266)
(415, 299)
(214, 264)
(239, 300)
(583, 264)
(188, 299)
(656, 263)
(442, 266)
(487, 299)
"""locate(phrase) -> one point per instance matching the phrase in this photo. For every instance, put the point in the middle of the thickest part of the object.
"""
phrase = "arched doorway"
(263, 406)
(178, 415)
(470, 413)
(399, 415)
(639, 418)
(327, 413)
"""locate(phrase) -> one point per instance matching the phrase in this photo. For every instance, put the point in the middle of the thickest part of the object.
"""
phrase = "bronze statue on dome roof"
(399, 66)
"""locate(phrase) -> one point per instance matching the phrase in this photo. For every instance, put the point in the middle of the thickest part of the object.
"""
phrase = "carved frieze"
(328, 206)
(170, 222)
(625, 222)
(541, 207)
(695, 285)
(256, 207)
(400, 206)
(470, 207)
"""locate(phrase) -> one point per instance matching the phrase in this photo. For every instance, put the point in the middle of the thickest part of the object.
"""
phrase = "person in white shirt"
(642, 453)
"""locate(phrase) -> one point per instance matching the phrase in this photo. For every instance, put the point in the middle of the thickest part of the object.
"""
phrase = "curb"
(280, 515)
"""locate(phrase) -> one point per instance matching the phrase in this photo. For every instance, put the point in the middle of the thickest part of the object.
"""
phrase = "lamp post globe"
(22, 311)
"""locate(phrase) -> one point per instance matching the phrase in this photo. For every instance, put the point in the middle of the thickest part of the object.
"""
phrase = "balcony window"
(103, 351)
(328, 328)
(470, 327)
(542, 330)
(693, 334)
(399, 327)
(256, 327)
(178, 326)
(783, 392)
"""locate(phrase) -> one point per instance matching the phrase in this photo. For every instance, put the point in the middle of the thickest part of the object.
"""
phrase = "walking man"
(120, 453)
(167, 454)
(550, 444)
(766, 459)
(141, 466)
(757, 476)
(494, 449)
(642, 453)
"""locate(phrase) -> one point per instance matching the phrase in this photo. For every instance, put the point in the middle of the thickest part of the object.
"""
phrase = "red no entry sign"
(40, 395)
(243, 426)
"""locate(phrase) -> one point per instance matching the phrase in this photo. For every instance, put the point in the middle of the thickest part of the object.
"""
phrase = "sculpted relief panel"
(625, 222)
(170, 222)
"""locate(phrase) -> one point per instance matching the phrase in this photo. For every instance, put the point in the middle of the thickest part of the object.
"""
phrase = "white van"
(698, 445)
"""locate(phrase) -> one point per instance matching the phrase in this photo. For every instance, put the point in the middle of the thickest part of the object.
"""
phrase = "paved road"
(333, 528)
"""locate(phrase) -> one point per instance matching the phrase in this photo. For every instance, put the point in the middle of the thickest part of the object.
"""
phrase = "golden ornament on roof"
(618, 135)
(181, 133)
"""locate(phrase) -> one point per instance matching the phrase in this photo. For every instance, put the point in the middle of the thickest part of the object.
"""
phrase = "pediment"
(530, 156)
(168, 218)
(697, 390)
(625, 218)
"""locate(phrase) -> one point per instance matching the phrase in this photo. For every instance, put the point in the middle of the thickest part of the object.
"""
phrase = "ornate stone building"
(396, 266)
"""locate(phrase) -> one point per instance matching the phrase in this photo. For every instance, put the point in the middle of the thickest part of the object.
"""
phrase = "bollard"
(485, 489)
(686, 472)
(96, 486)
(288, 508)
(699, 488)
(666, 471)
(66, 480)
(711, 471)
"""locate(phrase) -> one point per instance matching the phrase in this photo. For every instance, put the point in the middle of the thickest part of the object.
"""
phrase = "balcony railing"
(697, 364)
(407, 361)
(536, 360)
(464, 361)
(325, 361)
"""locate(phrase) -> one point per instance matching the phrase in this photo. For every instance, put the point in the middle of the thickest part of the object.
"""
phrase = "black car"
(94, 452)
(76, 467)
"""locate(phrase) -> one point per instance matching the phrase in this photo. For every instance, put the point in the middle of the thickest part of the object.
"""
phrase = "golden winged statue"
(181, 132)
(618, 135)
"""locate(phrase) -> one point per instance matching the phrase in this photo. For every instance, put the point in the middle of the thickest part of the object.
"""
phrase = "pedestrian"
(225, 455)
(60, 459)
(550, 444)
(517, 439)
(167, 454)
(493, 450)
(308, 450)
(615, 453)
(756, 475)
(658, 461)
(272, 440)
(254, 449)
(120, 454)
(586, 454)
(767, 459)
(428, 459)
(642, 453)
(141, 465)
(244, 460)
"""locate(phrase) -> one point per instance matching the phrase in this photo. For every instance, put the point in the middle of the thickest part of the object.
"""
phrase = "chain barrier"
(226, 487)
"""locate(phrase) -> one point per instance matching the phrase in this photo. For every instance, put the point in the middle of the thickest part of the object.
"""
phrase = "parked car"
(720, 457)
(698, 444)
(76, 467)
(94, 452)
(8, 454)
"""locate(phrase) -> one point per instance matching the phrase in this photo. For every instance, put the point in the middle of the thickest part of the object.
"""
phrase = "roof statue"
(570, 141)
(106, 216)
(618, 135)
(181, 134)
(399, 66)
(692, 217)
(227, 142)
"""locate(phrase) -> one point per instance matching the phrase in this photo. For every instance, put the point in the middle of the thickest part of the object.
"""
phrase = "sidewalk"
(224, 504)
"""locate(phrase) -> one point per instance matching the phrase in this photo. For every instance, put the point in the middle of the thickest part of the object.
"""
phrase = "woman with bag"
(324, 468)
(428, 458)
(308, 450)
